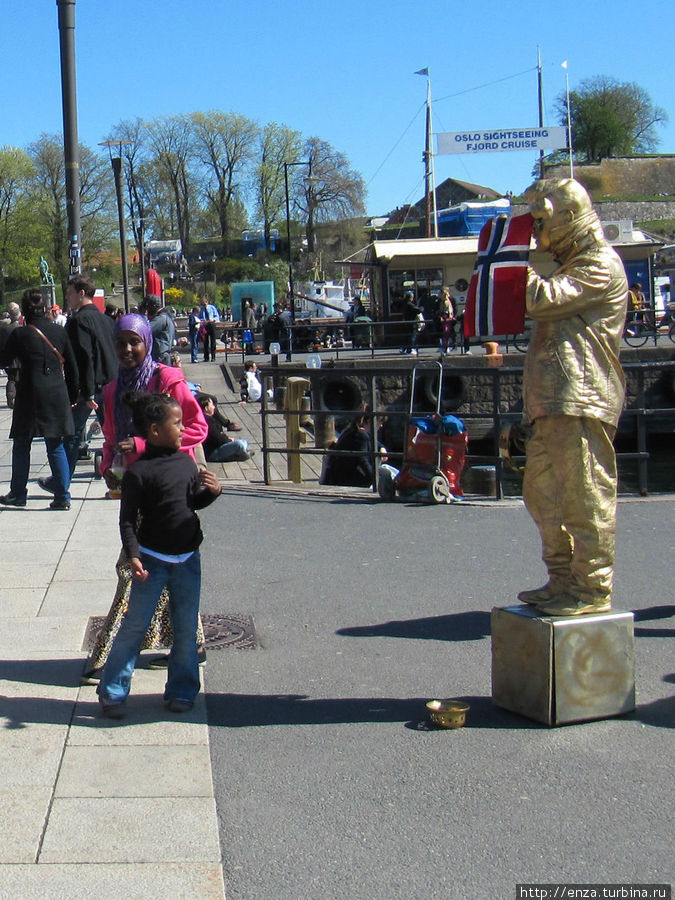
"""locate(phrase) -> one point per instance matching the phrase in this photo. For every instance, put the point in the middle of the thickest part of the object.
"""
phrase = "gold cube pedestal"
(563, 669)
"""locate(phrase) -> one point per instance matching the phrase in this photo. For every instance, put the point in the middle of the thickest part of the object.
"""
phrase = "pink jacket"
(167, 380)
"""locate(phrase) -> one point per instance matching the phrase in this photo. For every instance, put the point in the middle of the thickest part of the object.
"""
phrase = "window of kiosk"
(420, 281)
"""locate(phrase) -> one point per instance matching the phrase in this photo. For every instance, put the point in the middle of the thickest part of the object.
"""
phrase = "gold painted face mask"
(564, 218)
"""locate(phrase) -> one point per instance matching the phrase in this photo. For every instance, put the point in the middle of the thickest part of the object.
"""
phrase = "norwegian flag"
(495, 304)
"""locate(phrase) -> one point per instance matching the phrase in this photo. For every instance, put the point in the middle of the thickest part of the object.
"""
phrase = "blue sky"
(339, 71)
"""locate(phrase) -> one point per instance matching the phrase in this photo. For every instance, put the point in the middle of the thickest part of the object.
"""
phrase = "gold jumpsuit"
(573, 395)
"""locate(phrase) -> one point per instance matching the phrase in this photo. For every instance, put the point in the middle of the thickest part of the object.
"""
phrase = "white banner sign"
(501, 139)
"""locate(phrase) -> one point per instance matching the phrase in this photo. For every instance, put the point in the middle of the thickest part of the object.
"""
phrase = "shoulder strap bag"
(49, 344)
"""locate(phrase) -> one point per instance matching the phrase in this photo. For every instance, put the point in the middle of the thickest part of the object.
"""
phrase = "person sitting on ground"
(218, 447)
(357, 469)
(251, 388)
(177, 363)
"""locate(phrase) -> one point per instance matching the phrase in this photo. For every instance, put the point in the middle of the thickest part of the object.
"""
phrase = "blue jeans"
(81, 412)
(184, 583)
(229, 452)
(194, 345)
(58, 463)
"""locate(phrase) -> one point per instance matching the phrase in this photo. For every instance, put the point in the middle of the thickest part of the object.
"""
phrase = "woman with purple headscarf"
(139, 372)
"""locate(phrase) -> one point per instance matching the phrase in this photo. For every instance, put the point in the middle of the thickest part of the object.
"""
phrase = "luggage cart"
(435, 450)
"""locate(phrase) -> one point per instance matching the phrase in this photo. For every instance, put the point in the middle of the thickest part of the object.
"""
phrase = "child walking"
(161, 535)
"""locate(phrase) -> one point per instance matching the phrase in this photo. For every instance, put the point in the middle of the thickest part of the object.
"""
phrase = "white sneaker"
(415, 352)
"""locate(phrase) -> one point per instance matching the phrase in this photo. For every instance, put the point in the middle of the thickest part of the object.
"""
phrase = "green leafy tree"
(19, 236)
(50, 194)
(271, 269)
(97, 201)
(611, 118)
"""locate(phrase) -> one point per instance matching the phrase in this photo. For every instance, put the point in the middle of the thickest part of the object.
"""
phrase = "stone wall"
(630, 176)
(643, 176)
(635, 210)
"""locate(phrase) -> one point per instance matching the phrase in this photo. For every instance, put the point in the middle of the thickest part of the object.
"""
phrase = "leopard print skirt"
(158, 635)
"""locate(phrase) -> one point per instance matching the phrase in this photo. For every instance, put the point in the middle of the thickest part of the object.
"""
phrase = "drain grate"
(234, 630)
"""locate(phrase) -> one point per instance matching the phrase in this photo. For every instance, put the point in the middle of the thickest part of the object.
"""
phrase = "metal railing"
(334, 338)
(638, 417)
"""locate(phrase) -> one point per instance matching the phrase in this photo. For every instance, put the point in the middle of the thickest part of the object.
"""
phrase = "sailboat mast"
(429, 173)
(427, 163)
(428, 157)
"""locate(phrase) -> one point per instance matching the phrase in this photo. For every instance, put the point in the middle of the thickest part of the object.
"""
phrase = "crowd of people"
(121, 367)
(437, 316)
(57, 367)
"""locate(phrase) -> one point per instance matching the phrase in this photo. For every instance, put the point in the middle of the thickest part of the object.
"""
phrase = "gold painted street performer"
(573, 389)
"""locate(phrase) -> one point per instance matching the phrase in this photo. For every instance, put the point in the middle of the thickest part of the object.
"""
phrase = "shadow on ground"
(464, 626)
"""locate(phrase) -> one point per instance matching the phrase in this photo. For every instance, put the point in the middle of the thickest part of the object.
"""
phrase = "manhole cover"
(233, 630)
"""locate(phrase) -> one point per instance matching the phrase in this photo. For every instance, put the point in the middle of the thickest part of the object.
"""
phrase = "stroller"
(435, 453)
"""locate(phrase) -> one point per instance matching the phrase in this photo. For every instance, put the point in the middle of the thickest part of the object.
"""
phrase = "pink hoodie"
(167, 380)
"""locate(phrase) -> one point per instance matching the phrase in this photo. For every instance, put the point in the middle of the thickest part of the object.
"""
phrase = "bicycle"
(519, 341)
(638, 331)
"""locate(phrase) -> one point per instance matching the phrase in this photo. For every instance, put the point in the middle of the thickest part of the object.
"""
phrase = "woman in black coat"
(46, 390)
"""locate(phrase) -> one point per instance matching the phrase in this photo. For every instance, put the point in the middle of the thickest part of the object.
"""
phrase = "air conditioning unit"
(618, 232)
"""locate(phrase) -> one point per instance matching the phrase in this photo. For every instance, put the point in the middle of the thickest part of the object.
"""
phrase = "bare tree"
(96, 199)
(223, 144)
(170, 140)
(134, 150)
(278, 144)
(97, 203)
(333, 191)
(50, 189)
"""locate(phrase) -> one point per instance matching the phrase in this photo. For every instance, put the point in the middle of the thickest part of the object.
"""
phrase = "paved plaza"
(305, 769)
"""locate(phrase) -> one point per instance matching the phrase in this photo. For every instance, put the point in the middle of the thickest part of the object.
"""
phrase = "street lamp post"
(71, 147)
(142, 242)
(291, 287)
(116, 162)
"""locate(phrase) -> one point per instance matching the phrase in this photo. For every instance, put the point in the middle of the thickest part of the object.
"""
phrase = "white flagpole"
(569, 117)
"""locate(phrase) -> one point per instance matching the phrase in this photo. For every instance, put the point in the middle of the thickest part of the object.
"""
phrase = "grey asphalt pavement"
(328, 783)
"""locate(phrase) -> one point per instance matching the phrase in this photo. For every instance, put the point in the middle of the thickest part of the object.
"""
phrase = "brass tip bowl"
(447, 713)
